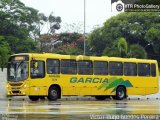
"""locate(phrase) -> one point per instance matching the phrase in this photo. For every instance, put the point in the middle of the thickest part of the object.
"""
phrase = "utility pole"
(84, 27)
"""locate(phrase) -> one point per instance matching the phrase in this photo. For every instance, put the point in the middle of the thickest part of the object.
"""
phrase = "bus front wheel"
(33, 98)
(120, 93)
(53, 93)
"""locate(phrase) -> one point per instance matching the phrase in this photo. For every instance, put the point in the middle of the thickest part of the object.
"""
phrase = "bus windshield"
(17, 70)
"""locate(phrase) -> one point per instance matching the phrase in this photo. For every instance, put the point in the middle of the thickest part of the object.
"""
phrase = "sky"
(72, 12)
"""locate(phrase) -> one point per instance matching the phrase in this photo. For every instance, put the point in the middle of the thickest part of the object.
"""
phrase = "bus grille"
(15, 84)
(16, 92)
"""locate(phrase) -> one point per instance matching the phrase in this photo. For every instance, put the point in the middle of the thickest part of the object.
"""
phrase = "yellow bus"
(54, 75)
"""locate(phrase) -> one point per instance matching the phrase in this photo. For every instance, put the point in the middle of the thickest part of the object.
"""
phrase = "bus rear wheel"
(120, 93)
(101, 97)
(53, 93)
(33, 98)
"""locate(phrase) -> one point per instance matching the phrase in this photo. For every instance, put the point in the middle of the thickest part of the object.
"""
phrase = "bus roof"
(83, 57)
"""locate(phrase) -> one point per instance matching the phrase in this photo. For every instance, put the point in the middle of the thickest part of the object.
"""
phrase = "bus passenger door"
(38, 82)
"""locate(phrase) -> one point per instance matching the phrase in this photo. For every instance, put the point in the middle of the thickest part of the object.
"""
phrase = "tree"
(140, 28)
(47, 41)
(151, 2)
(20, 26)
(137, 51)
(52, 21)
(72, 43)
(68, 49)
(118, 49)
(72, 28)
(16, 18)
(62, 43)
(98, 41)
(153, 37)
(16, 24)
(4, 52)
(122, 47)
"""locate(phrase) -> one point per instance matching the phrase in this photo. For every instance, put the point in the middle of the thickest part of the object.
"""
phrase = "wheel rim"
(53, 93)
(121, 93)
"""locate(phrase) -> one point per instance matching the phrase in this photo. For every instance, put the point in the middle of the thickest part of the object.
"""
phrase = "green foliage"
(68, 51)
(98, 41)
(141, 28)
(69, 37)
(153, 37)
(20, 46)
(122, 47)
(154, 2)
(4, 52)
(19, 27)
(16, 19)
(71, 43)
(17, 24)
(111, 52)
(137, 51)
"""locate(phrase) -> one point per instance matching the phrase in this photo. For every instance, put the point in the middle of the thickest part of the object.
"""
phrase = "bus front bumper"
(17, 92)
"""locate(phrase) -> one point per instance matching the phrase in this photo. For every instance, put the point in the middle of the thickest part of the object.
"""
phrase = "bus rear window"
(153, 70)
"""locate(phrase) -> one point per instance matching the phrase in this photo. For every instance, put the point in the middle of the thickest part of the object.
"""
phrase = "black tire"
(114, 97)
(53, 93)
(120, 93)
(34, 98)
(42, 97)
(102, 97)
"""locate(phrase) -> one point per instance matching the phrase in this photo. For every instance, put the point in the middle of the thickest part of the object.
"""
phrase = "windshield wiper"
(17, 69)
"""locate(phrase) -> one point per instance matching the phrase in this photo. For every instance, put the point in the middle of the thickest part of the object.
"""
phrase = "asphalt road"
(78, 109)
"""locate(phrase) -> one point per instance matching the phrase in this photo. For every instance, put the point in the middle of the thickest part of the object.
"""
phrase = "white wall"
(3, 78)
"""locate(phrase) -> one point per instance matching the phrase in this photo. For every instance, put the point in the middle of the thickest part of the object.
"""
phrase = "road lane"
(18, 109)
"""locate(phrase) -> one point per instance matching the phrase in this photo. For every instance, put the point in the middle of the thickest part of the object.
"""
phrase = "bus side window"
(53, 66)
(85, 67)
(115, 68)
(153, 70)
(130, 69)
(100, 68)
(68, 67)
(144, 69)
(38, 71)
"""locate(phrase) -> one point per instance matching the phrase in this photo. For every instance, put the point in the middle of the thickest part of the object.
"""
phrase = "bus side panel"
(40, 91)
(142, 85)
(68, 91)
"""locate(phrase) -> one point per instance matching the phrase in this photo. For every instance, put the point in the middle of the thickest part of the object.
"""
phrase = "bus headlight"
(7, 86)
(25, 86)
